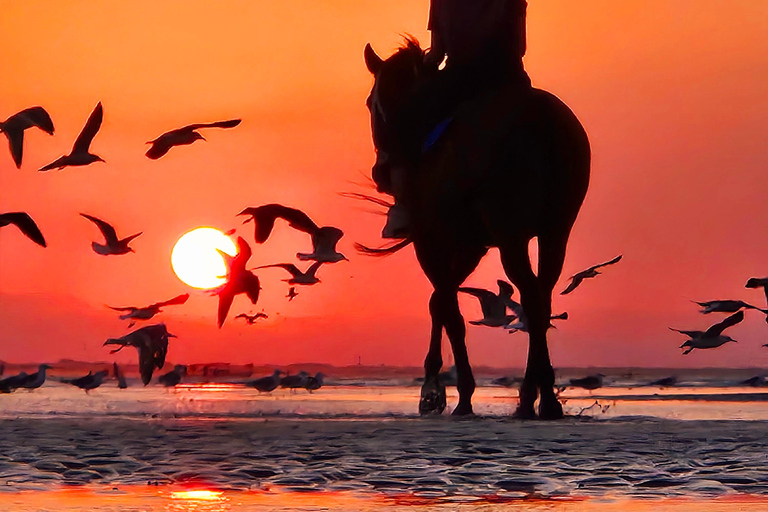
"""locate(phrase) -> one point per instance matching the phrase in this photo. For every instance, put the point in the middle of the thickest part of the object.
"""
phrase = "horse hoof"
(550, 409)
(463, 410)
(432, 399)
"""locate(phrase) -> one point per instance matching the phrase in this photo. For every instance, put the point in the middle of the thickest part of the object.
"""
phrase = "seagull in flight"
(298, 277)
(147, 312)
(239, 280)
(113, 245)
(494, 306)
(151, 342)
(324, 239)
(80, 154)
(292, 293)
(183, 136)
(576, 279)
(14, 127)
(25, 224)
(251, 319)
(725, 306)
(712, 337)
(759, 282)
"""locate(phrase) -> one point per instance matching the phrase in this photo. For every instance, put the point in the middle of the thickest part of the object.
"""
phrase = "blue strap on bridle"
(435, 134)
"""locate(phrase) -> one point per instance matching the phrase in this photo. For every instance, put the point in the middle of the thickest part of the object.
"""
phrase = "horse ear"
(372, 61)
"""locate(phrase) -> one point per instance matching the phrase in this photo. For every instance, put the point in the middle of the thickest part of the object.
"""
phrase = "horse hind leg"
(433, 398)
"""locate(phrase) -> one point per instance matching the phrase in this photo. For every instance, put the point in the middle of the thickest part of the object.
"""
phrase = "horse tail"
(383, 251)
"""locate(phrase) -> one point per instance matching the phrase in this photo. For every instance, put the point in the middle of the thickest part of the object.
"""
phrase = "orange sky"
(671, 92)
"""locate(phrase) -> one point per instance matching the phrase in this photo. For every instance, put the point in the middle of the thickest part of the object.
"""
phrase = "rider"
(484, 42)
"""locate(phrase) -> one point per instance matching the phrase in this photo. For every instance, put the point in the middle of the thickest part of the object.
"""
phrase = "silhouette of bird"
(25, 224)
(521, 325)
(725, 306)
(494, 306)
(266, 384)
(36, 379)
(147, 312)
(292, 293)
(80, 154)
(506, 381)
(299, 277)
(712, 337)
(119, 376)
(324, 239)
(239, 280)
(314, 383)
(759, 282)
(294, 381)
(576, 279)
(113, 245)
(756, 381)
(89, 382)
(14, 127)
(183, 136)
(590, 382)
(173, 377)
(665, 382)
(12, 383)
(151, 342)
(251, 319)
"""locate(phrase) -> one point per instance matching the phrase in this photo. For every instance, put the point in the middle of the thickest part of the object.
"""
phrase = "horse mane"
(409, 52)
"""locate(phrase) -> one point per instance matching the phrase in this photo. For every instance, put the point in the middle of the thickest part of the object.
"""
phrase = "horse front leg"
(456, 331)
(433, 399)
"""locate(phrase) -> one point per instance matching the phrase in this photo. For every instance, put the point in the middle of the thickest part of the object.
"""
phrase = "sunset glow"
(196, 260)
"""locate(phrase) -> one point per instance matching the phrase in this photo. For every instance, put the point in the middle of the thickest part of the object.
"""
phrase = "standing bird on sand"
(294, 382)
(239, 280)
(147, 312)
(494, 306)
(183, 137)
(712, 337)
(37, 379)
(591, 382)
(80, 154)
(306, 278)
(14, 127)
(12, 383)
(25, 224)
(174, 376)
(266, 384)
(576, 279)
(292, 293)
(119, 376)
(725, 306)
(89, 382)
(151, 342)
(251, 319)
(324, 239)
(113, 245)
(314, 383)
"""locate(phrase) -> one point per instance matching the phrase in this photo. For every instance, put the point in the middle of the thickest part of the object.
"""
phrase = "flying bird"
(493, 305)
(759, 282)
(712, 337)
(292, 293)
(298, 277)
(80, 154)
(119, 376)
(266, 384)
(174, 376)
(25, 224)
(14, 127)
(725, 306)
(576, 279)
(239, 280)
(113, 245)
(147, 312)
(151, 342)
(324, 239)
(89, 382)
(251, 319)
(183, 136)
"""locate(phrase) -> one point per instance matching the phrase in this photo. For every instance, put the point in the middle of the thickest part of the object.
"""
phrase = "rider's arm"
(436, 52)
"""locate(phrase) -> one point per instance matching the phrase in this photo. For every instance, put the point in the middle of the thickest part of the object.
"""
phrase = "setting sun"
(195, 258)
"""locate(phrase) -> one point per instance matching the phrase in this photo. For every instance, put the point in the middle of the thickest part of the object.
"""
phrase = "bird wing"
(718, 328)
(313, 269)
(127, 239)
(265, 216)
(56, 164)
(486, 298)
(242, 315)
(89, 131)
(16, 143)
(690, 334)
(290, 267)
(146, 364)
(505, 288)
(575, 282)
(225, 302)
(218, 124)
(25, 224)
(179, 299)
(329, 235)
(37, 116)
(611, 262)
(252, 287)
(106, 229)
(127, 308)
(160, 146)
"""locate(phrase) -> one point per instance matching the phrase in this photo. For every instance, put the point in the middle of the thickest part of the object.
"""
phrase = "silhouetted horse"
(512, 165)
